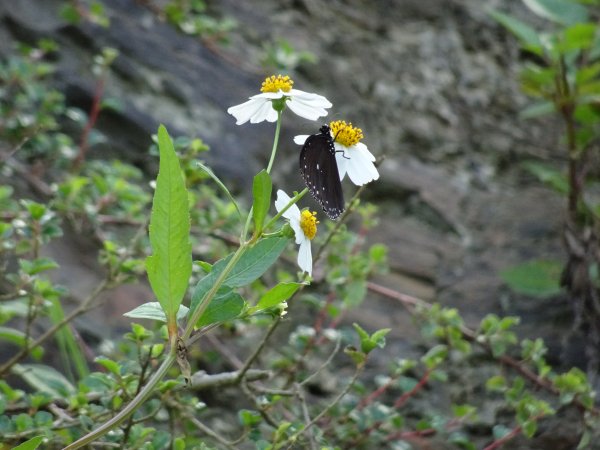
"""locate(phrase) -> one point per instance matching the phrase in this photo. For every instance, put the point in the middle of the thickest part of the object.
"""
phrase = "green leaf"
(500, 431)
(226, 305)
(586, 439)
(379, 336)
(261, 190)
(496, 383)
(70, 351)
(254, 262)
(108, 364)
(44, 379)
(18, 337)
(538, 278)
(276, 295)
(564, 12)
(33, 267)
(362, 334)
(249, 418)
(251, 265)
(435, 356)
(578, 37)
(368, 343)
(70, 14)
(527, 35)
(170, 266)
(222, 186)
(153, 311)
(548, 175)
(529, 428)
(538, 109)
(31, 444)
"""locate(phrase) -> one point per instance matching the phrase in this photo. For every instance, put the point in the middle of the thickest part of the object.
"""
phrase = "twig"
(202, 380)
(513, 433)
(82, 308)
(325, 364)
(93, 117)
(300, 395)
(259, 349)
(292, 439)
(470, 335)
(206, 430)
(416, 388)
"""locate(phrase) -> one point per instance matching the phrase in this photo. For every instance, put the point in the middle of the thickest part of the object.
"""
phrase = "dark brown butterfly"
(319, 171)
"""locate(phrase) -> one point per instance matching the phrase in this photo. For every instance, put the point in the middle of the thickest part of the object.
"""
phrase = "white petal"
(301, 139)
(305, 110)
(265, 112)
(293, 211)
(269, 95)
(341, 158)
(360, 167)
(316, 100)
(247, 110)
(305, 256)
(363, 149)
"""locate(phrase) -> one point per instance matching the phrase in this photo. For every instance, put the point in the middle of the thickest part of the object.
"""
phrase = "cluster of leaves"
(563, 76)
(192, 17)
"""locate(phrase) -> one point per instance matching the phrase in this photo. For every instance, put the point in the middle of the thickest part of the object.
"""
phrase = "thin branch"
(259, 348)
(470, 335)
(338, 344)
(292, 439)
(82, 308)
(306, 414)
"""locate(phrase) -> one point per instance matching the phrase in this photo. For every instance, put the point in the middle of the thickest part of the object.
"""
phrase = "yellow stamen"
(277, 83)
(308, 223)
(345, 133)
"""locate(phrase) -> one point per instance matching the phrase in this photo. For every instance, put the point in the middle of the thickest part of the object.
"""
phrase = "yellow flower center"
(308, 223)
(345, 133)
(277, 83)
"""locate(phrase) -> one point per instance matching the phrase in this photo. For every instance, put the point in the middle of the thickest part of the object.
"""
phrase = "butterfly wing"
(320, 173)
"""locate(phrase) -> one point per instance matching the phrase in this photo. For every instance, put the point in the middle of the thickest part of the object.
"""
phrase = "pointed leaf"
(538, 278)
(261, 190)
(221, 185)
(527, 35)
(170, 266)
(18, 337)
(31, 444)
(276, 295)
(44, 379)
(226, 305)
(253, 263)
(153, 311)
(565, 12)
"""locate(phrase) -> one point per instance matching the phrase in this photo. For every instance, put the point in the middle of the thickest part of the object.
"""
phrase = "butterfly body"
(319, 171)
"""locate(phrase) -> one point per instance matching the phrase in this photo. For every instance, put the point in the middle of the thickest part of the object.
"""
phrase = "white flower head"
(304, 223)
(262, 106)
(352, 156)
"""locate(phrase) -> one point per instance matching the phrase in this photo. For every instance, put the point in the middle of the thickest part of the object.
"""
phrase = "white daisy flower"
(261, 107)
(304, 225)
(352, 156)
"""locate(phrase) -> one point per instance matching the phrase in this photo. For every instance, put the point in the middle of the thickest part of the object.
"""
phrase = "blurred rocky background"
(432, 83)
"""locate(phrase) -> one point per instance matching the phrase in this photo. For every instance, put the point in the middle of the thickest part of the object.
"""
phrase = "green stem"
(293, 201)
(275, 142)
(143, 395)
(148, 389)
(213, 290)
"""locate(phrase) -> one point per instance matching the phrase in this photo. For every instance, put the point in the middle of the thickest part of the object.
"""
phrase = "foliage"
(563, 77)
(287, 383)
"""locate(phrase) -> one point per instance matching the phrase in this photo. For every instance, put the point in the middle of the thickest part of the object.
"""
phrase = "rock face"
(431, 82)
